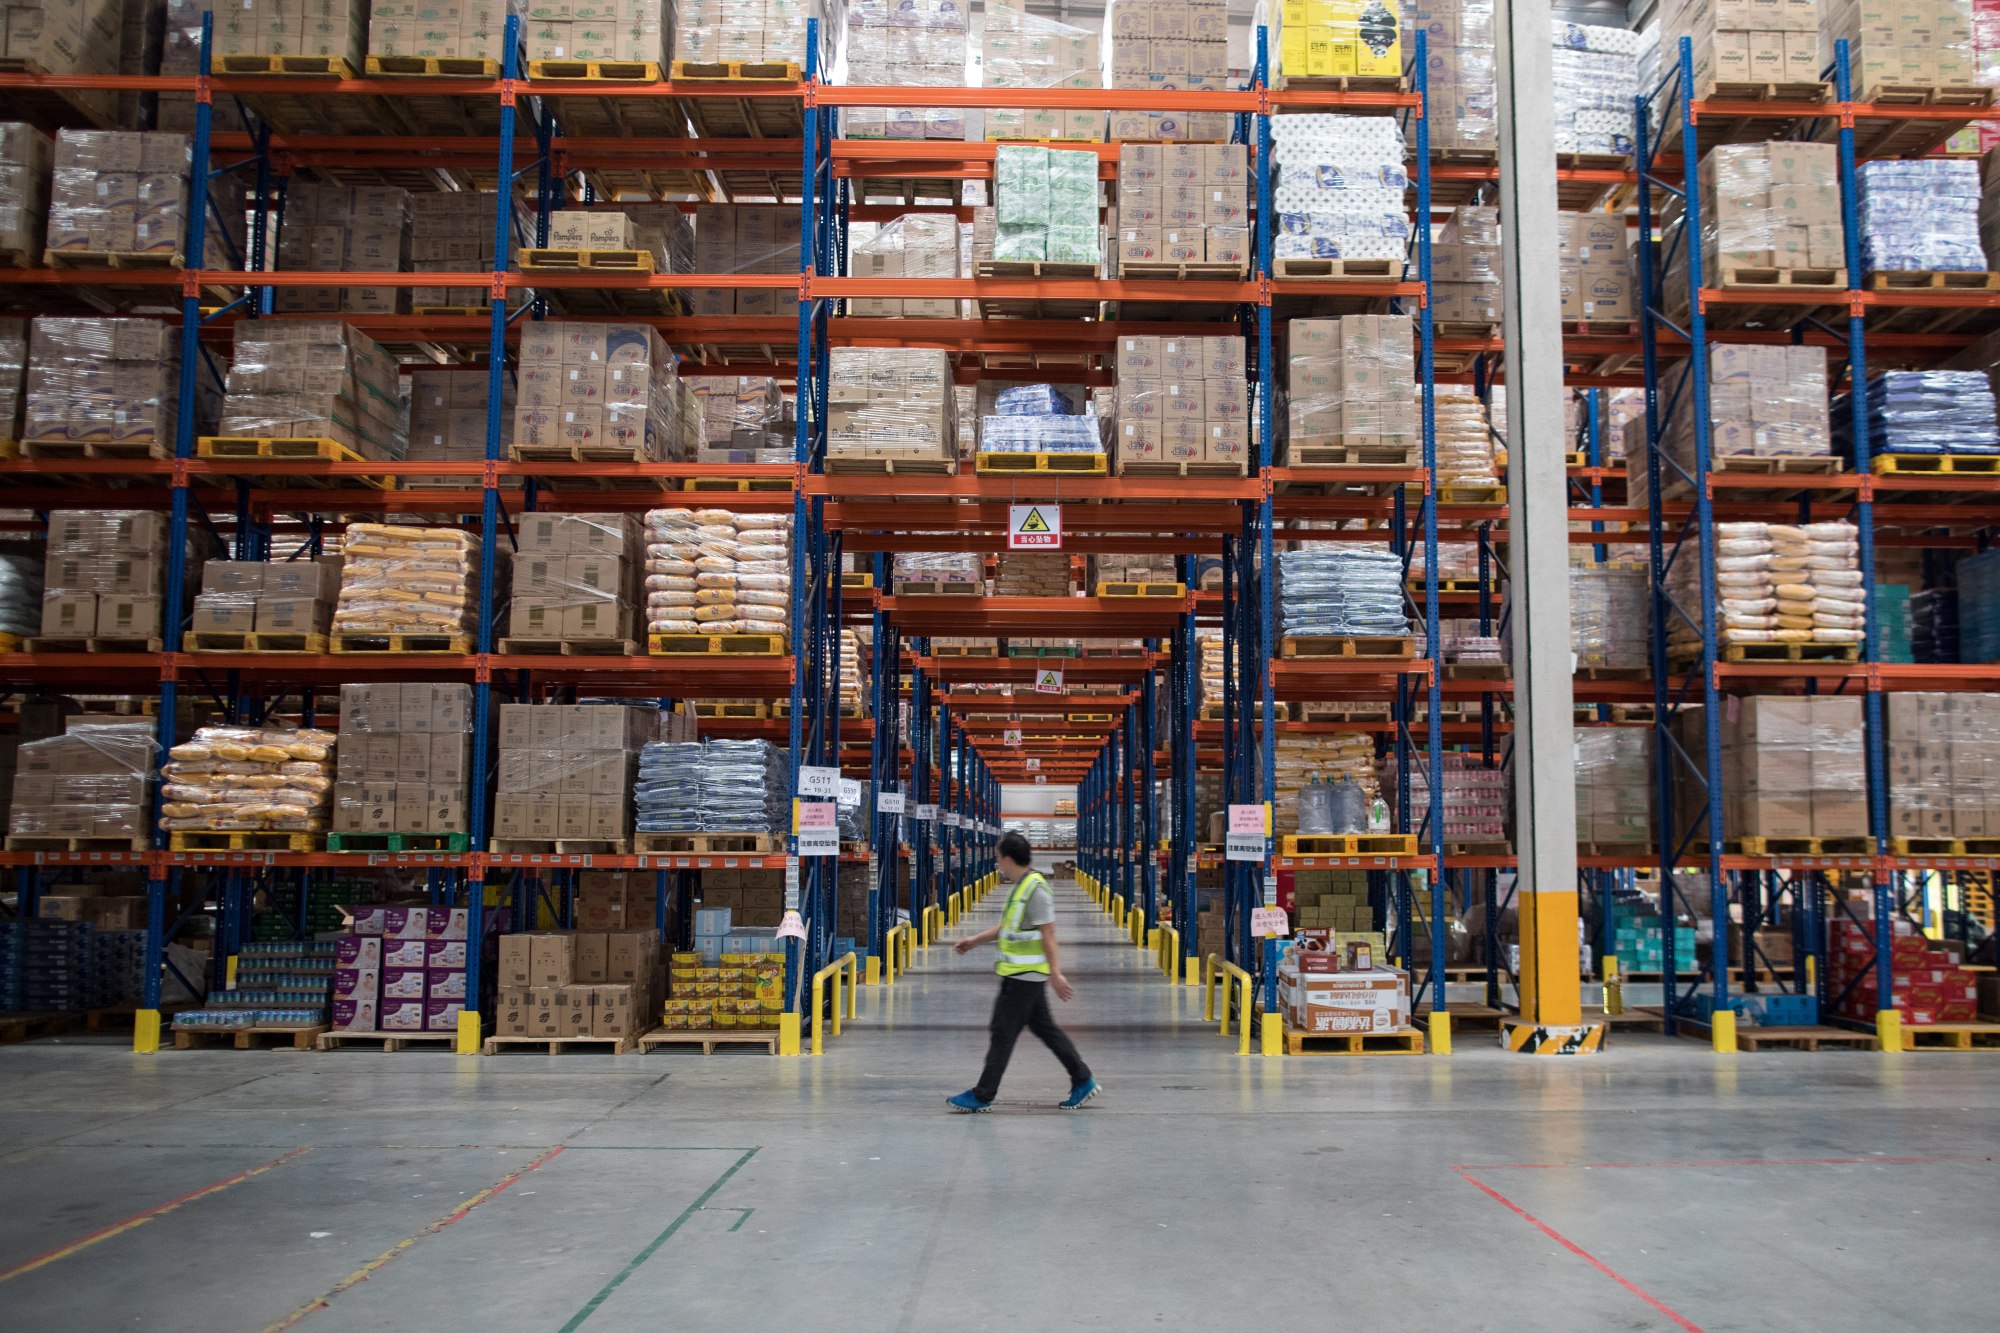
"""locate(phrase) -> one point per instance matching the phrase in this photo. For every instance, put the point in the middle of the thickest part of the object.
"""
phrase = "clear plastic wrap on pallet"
(1171, 46)
(1039, 434)
(404, 758)
(113, 380)
(1459, 86)
(1022, 50)
(665, 231)
(26, 158)
(1329, 39)
(1181, 400)
(1738, 43)
(1045, 205)
(916, 245)
(627, 31)
(403, 579)
(906, 44)
(277, 779)
(1614, 786)
(1776, 583)
(1763, 402)
(20, 595)
(1339, 189)
(1475, 797)
(13, 376)
(468, 30)
(715, 571)
(1351, 384)
(1764, 205)
(1341, 588)
(752, 31)
(746, 238)
(1032, 574)
(747, 412)
(1183, 204)
(1914, 44)
(1325, 761)
(891, 403)
(968, 567)
(1596, 86)
(314, 379)
(1610, 607)
(577, 579)
(565, 770)
(1791, 767)
(79, 37)
(716, 786)
(448, 417)
(344, 228)
(1594, 265)
(283, 596)
(1465, 268)
(105, 574)
(89, 782)
(1938, 750)
(1921, 215)
(603, 387)
(1464, 443)
(1923, 412)
(126, 193)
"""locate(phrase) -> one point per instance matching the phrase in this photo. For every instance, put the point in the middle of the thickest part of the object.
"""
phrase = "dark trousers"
(1025, 1004)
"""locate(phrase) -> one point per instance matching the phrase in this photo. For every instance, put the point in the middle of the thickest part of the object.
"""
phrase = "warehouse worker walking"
(1028, 966)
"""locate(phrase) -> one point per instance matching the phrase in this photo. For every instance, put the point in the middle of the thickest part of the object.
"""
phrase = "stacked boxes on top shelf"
(1182, 204)
(566, 771)
(744, 420)
(616, 900)
(1763, 402)
(1327, 39)
(79, 37)
(452, 232)
(576, 577)
(1737, 43)
(745, 238)
(1614, 787)
(1919, 216)
(336, 29)
(615, 30)
(1182, 400)
(107, 381)
(314, 379)
(340, 229)
(578, 984)
(1475, 798)
(593, 387)
(1170, 45)
(1944, 765)
(88, 784)
(890, 403)
(1023, 50)
(907, 44)
(916, 245)
(1032, 574)
(115, 192)
(1906, 45)
(26, 158)
(404, 758)
(408, 30)
(1458, 79)
(1351, 385)
(267, 597)
(1596, 86)
(749, 32)
(1606, 602)
(269, 779)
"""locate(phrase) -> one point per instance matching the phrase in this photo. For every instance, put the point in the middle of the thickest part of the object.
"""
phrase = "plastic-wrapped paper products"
(13, 376)
(907, 43)
(399, 579)
(1459, 86)
(1022, 50)
(1736, 42)
(566, 770)
(718, 786)
(120, 193)
(621, 30)
(1596, 83)
(1183, 204)
(1465, 267)
(403, 759)
(26, 158)
(1039, 434)
(1924, 412)
(314, 379)
(1321, 39)
(1791, 768)
(1765, 205)
(891, 403)
(1464, 444)
(343, 228)
(1920, 215)
(1921, 43)
(1474, 797)
(105, 574)
(448, 417)
(1351, 384)
(1032, 400)
(1595, 264)
(1614, 786)
(72, 38)
(1341, 588)
(1045, 205)
(916, 245)
(104, 379)
(1777, 583)
(940, 567)
(576, 577)
(1610, 607)
(745, 238)
(1763, 402)
(713, 571)
(611, 387)
(1939, 749)
(1169, 45)
(1339, 188)
(468, 30)
(746, 413)
(1182, 400)
(248, 778)
(89, 782)
(767, 31)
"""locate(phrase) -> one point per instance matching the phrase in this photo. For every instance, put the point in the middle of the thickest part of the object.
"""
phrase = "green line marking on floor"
(642, 1256)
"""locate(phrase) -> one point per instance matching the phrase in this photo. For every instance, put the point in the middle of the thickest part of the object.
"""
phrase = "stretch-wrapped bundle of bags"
(1781, 583)
(713, 571)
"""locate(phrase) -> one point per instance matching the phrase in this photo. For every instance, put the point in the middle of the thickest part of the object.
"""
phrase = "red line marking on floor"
(1748, 1161)
(140, 1219)
(1581, 1253)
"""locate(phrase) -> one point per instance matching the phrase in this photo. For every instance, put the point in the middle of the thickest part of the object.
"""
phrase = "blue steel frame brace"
(1427, 378)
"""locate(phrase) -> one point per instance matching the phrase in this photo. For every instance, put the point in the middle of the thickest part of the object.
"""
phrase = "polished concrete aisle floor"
(1656, 1186)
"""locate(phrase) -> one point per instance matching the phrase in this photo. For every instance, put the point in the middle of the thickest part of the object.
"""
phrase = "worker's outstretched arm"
(971, 942)
(1056, 978)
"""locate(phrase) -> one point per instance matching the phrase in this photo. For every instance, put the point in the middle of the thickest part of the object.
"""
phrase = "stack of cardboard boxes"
(1352, 385)
(1595, 267)
(767, 31)
(1182, 400)
(344, 229)
(1911, 43)
(1332, 38)
(566, 770)
(106, 574)
(891, 403)
(578, 984)
(1944, 765)
(917, 245)
(1927, 986)
(1791, 768)
(1170, 45)
(576, 576)
(745, 238)
(404, 758)
(1614, 786)
(1182, 204)
(1475, 798)
(1032, 574)
(452, 232)
(1327, 988)
(26, 156)
(618, 899)
(448, 421)
(1045, 208)
(911, 44)
(402, 969)
(1458, 79)
(1766, 205)
(1335, 900)
(624, 30)
(745, 899)
(88, 783)
(271, 597)
(337, 28)
(1465, 267)
(67, 37)
(465, 30)
(1736, 42)
(1023, 50)
(603, 386)
(317, 379)
(732, 991)
(107, 380)
(1763, 402)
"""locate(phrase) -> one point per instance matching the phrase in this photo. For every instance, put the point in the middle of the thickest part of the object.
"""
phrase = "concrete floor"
(1656, 1186)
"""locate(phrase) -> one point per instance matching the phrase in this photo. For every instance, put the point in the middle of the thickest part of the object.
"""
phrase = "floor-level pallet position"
(301, 1038)
(1401, 1041)
(557, 1045)
(709, 1039)
(387, 1041)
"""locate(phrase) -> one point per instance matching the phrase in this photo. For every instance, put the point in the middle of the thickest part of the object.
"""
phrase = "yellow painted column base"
(1440, 1032)
(1271, 1034)
(1889, 1031)
(1722, 1031)
(146, 1032)
(788, 1034)
(469, 1032)
(874, 975)
(1191, 976)
(1153, 938)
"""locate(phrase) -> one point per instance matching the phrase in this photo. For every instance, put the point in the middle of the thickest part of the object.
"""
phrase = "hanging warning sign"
(1048, 681)
(1012, 736)
(1248, 827)
(1034, 764)
(818, 829)
(1041, 780)
(1036, 527)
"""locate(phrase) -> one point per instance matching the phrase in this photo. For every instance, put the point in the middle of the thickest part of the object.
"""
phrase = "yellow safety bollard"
(1271, 1031)
(788, 1034)
(470, 1033)
(874, 976)
(1889, 1031)
(145, 1032)
(1153, 938)
(1722, 1031)
(1614, 986)
(1440, 1026)
(1243, 990)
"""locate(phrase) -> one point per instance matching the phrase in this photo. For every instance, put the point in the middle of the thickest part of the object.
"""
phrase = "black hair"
(1014, 846)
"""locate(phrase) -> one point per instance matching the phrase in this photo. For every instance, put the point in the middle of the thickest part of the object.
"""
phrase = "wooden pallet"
(250, 1039)
(586, 261)
(594, 71)
(35, 842)
(113, 259)
(1344, 83)
(557, 1045)
(398, 842)
(710, 1038)
(1315, 451)
(294, 67)
(1809, 1038)
(562, 846)
(1161, 467)
(1303, 269)
(1910, 137)
(1402, 1041)
(1789, 652)
(254, 641)
(1110, 588)
(431, 67)
(1762, 846)
(710, 708)
(388, 1041)
(1951, 1036)
(1163, 271)
(1348, 844)
(709, 645)
(1002, 306)
(1921, 280)
(241, 840)
(1630, 851)
(1479, 847)
(890, 467)
(736, 485)
(708, 844)
(1903, 465)
(1477, 671)
(1347, 645)
(51, 448)
(580, 647)
(1072, 464)
(1832, 281)
(937, 588)
(1612, 673)
(735, 71)
(91, 644)
(1714, 90)
(349, 641)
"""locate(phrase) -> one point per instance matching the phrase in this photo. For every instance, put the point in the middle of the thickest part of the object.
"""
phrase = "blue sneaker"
(968, 1103)
(1080, 1094)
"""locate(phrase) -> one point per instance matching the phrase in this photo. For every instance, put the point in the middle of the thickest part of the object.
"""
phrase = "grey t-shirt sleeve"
(1039, 911)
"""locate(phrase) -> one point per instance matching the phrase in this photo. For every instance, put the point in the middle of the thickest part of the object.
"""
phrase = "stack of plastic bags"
(712, 571)
(1778, 583)
(1341, 588)
(248, 778)
(1923, 412)
(397, 579)
(20, 595)
(1464, 444)
(715, 786)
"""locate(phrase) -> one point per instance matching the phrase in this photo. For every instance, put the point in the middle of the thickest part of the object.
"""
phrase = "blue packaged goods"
(712, 787)
(1032, 400)
(1979, 607)
(1924, 412)
(1039, 435)
(1920, 215)
(1335, 589)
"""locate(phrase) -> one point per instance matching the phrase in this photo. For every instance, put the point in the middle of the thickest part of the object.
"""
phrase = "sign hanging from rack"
(816, 781)
(1012, 737)
(1247, 831)
(1035, 527)
(1048, 680)
(1033, 764)
(889, 802)
(819, 829)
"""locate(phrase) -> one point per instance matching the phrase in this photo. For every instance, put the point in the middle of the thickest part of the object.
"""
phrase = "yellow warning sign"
(1034, 527)
(1048, 681)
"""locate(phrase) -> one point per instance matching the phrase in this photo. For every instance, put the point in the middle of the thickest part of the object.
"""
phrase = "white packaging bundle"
(940, 567)
(401, 579)
(1340, 188)
(1464, 445)
(1596, 80)
(714, 571)
(910, 44)
(1778, 583)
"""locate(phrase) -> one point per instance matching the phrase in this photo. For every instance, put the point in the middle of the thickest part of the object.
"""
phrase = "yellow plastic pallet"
(258, 641)
(241, 840)
(292, 67)
(735, 71)
(702, 645)
(727, 484)
(431, 67)
(1902, 465)
(1349, 844)
(594, 71)
(1117, 589)
(355, 641)
(580, 261)
(1078, 464)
